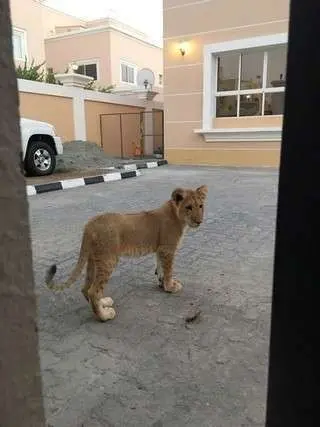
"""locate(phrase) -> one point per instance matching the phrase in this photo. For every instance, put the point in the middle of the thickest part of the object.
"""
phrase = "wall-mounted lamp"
(183, 48)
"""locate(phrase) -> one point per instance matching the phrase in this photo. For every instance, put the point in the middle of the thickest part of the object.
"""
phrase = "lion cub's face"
(190, 204)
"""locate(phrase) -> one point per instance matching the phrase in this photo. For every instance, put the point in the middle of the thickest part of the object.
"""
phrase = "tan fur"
(109, 236)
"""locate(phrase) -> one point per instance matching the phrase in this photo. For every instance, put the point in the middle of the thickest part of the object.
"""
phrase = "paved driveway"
(147, 367)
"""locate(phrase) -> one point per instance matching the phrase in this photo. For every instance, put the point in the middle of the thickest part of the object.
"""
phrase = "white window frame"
(24, 43)
(211, 53)
(91, 62)
(135, 71)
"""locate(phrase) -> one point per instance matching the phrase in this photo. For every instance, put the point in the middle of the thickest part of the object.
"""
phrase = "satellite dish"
(145, 77)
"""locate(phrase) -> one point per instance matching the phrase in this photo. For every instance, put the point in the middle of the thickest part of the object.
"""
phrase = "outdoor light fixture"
(183, 48)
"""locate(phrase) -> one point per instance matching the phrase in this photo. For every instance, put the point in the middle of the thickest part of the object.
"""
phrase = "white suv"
(40, 146)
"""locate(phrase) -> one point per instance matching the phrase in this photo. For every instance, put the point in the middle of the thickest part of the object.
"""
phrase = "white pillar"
(78, 83)
(148, 131)
(79, 115)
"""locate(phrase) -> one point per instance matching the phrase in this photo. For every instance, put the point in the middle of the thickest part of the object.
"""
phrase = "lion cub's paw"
(106, 313)
(174, 287)
(106, 302)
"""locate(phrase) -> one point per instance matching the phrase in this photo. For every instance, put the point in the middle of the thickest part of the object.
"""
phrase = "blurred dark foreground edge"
(293, 391)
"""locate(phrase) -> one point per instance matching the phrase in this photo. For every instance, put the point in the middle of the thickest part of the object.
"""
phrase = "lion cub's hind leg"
(101, 306)
(159, 270)
(89, 279)
(107, 301)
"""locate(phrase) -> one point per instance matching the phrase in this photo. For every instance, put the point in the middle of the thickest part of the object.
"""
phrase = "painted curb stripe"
(130, 167)
(72, 183)
(50, 186)
(128, 174)
(31, 191)
(93, 179)
(130, 171)
(152, 165)
(112, 177)
(145, 165)
(162, 162)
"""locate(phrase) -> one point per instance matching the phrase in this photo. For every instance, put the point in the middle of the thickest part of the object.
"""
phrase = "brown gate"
(128, 135)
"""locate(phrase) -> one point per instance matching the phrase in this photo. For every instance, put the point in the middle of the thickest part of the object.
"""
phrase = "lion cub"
(109, 236)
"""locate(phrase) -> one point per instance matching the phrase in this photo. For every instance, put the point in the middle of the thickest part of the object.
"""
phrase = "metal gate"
(133, 135)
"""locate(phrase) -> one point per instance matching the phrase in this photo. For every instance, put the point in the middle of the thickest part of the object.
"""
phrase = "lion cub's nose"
(198, 222)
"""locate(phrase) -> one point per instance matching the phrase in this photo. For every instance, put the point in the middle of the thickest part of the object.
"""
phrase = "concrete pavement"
(148, 367)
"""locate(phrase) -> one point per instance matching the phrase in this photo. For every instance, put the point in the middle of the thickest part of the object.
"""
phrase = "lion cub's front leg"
(166, 281)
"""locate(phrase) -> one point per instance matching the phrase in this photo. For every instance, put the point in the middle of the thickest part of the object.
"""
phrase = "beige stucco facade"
(36, 21)
(136, 52)
(30, 25)
(53, 109)
(106, 47)
(54, 21)
(108, 44)
(45, 34)
(207, 30)
(79, 48)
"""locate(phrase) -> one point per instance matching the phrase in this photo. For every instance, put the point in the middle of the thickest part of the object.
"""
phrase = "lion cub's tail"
(82, 260)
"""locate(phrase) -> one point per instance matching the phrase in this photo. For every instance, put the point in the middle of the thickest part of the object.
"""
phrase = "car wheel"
(40, 159)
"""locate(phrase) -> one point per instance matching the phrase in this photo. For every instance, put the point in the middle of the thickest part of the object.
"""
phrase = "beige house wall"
(248, 122)
(56, 110)
(26, 15)
(136, 52)
(59, 38)
(51, 19)
(80, 47)
(200, 23)
(38, 21)
(108, 48)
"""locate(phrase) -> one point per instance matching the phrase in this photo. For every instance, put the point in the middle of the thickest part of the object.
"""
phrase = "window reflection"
(228, 72)
(251, 70)
(226, 106)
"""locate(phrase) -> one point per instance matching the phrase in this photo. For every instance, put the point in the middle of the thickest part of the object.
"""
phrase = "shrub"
(36, 73)
(104, 89)
(32, 72)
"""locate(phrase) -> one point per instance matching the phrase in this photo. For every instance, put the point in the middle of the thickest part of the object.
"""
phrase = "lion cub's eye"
(189, 208)
(201, 206)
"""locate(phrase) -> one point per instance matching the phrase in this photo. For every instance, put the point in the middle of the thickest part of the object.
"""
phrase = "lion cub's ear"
(203, 191)
(177, 195)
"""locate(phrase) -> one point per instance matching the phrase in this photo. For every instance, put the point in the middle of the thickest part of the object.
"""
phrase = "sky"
(144, 15)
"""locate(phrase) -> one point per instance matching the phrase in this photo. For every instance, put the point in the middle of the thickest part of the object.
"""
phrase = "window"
(160, 79)
(89, 70)
(128, 73)
(19, 41)
(250, 82)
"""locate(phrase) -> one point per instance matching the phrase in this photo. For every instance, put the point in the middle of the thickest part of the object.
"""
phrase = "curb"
(80, 182)
(145, 165)
(129, 171)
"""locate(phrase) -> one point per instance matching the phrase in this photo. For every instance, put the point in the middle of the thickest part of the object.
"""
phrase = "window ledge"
(240, 134)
